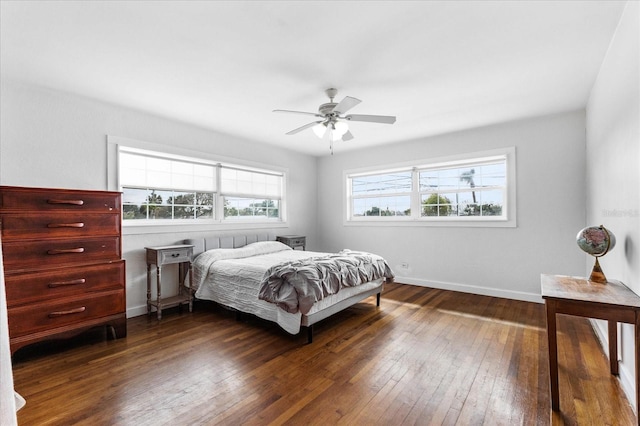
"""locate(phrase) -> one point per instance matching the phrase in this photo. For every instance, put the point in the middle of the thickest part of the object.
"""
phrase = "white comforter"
(232, 277)
(250, 261)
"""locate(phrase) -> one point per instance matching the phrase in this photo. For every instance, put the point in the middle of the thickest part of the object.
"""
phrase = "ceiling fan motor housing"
(327, 109)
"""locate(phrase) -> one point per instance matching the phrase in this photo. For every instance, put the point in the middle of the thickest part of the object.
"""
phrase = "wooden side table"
(169, 255)
(293, 241)
(612, 301)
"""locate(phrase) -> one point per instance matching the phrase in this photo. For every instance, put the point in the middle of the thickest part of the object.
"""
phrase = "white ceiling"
(439, 66)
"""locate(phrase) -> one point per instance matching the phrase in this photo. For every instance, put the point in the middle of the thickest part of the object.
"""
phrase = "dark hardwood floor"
(424, 357)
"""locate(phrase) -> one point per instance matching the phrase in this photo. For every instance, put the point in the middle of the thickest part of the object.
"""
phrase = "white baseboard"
(137, 311)
(626, 379)
(466, 288)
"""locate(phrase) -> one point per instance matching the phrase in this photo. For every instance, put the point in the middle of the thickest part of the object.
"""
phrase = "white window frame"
(254, 195)
(170, 186)
(144, 226)
(508, 219)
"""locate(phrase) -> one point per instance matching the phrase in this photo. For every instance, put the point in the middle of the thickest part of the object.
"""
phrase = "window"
(477, 189)
(165, 188)
(155, 187)
(250, 194)
(386, 194)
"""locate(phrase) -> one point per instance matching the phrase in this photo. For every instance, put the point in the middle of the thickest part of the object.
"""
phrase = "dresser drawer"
(51, 253)
(58, 224)
(64, 282)
(44, 316)
(15, 198)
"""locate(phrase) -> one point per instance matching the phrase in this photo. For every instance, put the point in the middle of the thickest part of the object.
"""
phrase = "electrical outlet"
(404, 265)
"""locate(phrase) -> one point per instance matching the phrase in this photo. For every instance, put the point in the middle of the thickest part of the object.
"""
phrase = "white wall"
(613, 168)
(504, 262)
(51, 139)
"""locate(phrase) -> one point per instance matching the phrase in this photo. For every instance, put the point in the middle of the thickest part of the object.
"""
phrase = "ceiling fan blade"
(346, 104)
(347, 136)
(315, 114)
(386, 119)
(306, 126)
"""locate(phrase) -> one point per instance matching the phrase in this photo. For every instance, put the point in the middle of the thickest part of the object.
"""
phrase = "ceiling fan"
(332, 125)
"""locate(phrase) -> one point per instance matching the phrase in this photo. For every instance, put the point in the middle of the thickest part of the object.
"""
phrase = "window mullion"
(219, 213)
(415, 194)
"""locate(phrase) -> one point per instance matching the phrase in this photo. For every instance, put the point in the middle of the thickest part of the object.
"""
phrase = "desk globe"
(596, 241)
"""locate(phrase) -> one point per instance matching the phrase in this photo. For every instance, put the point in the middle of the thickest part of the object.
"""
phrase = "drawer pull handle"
(65, 283)
(65, 251)
(69, 312)
(175, 254)
(68, 202)
(66, 225)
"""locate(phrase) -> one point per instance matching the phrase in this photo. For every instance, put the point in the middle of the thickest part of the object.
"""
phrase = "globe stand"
(597, 275)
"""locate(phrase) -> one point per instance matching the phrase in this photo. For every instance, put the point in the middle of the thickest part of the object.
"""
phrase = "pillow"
(203, 261)
(266, 247)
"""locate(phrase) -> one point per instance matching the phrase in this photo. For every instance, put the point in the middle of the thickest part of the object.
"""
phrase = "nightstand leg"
(159, 280)
(189, 288)
(148, 289)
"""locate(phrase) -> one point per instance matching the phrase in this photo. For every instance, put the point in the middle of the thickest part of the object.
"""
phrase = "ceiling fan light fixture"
(334, 136)
(320, 130)
(336, 130)
(340, 128)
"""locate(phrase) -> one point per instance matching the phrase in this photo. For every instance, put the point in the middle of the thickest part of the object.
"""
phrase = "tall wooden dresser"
(62, 254)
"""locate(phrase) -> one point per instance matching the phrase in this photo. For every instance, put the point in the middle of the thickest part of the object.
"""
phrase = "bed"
(257, 275)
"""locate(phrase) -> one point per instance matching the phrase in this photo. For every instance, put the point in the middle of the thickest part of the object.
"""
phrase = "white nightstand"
(293, 241)
(168, 255)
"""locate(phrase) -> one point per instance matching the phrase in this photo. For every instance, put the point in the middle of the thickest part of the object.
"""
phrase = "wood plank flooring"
(424, 357)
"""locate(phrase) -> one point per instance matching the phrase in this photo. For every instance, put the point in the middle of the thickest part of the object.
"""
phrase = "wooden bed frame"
(203, 244)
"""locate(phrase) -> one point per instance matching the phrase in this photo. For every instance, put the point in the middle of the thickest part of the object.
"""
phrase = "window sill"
(471, 223)
(141, 229)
